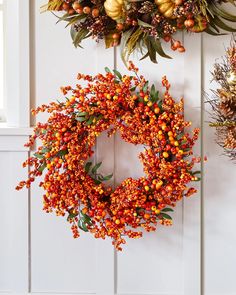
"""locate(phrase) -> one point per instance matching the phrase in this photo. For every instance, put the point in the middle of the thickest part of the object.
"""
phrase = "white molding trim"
(13, 143)
(11, 131)
(17, 62)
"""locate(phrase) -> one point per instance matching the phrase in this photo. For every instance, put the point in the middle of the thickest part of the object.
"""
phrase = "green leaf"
(95, 168)
(71, 216)
(123, 46)
(154, 94)
(78, 36)
(151, 50)
(82, 225)
(96, 181)
(87, 167)
(45, 150)
(108, 177)
(90, 120)
(167, 210)
(86, 219)
(221, 12)
(153, 90)
(118, 74)
(80, 119)
(217, 21)
(210, 32)
(196, 172)
(62, 153)
(166, 216)
(144, 56)
(75, 19)
(156, 44)
(82, 114)
(107, 70)
(42, 167)
(145, 87)
(39, 156)
(133, 88)
(143, 24)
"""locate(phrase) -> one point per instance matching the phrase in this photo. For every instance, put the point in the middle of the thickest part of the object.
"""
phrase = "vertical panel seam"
(29, 234)
(202, 174)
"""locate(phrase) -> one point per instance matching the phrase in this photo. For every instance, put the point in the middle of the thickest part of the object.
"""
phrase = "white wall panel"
(13, 224)
(146, 265)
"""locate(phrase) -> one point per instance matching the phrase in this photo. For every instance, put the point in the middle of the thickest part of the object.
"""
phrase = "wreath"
(223, 102)
(141, 24)
(73, 185)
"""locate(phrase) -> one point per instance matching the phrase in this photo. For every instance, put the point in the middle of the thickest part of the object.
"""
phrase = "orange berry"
(47, 155)
(116, 36)
(79, 10)
(176, 44)
(76, 5)
(146, 216)
(95, 12)
(71, 11)
(86, 10)
(157, 110)
(65, 6)
(167, 38)
(181, 49)
(120, 27)
(189, 23)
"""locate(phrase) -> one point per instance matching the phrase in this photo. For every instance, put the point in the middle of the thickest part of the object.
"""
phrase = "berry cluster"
(73, 185)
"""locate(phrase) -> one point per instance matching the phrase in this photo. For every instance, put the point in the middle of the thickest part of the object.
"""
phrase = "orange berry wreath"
(73, 186)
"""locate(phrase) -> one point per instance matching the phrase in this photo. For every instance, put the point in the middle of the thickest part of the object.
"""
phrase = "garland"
(73, 185)
(223, 102)
(141, 24)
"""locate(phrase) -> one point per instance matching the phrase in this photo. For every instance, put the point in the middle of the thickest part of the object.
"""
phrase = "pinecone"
(132, 11)
(230, 141)
(227, 105)
(147, 7)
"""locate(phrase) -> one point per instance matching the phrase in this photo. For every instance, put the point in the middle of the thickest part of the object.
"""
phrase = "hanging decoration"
(74, 186)
(223, 101)
(141, 25)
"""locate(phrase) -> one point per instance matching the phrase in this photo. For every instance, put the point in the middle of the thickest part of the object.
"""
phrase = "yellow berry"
(165, 155)
(157, 110)
(146, 188)
(176, 143)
